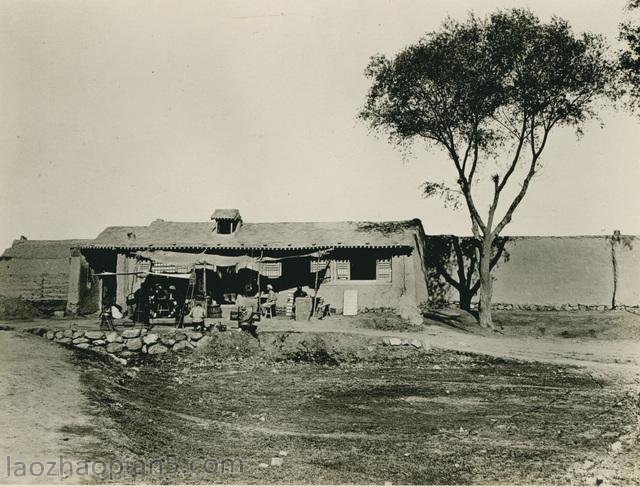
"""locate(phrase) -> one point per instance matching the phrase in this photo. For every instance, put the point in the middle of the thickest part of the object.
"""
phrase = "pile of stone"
(129, 342)
(405, 342)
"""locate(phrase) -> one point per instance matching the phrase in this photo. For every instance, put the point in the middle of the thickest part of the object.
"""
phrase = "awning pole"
(315, 296)
(259, 289)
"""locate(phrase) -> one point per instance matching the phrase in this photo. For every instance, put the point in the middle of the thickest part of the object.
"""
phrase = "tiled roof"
(230, 214)
(294, 235)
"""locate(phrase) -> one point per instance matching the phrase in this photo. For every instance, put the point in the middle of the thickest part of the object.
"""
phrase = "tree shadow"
(452, 264)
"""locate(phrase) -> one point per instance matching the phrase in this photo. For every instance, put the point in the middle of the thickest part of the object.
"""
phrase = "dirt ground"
(44, 410)
(545, 401)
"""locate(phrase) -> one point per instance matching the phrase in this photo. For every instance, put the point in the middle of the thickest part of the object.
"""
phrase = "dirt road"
(610, 357)
(43, 413)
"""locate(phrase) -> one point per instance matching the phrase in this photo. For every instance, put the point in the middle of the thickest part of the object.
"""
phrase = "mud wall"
(557, 271)
(36, 270)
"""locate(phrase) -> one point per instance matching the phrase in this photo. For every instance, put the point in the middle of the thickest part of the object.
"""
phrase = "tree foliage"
(488, 91)
(630, 57)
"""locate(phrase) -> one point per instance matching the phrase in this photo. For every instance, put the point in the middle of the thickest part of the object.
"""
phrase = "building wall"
(371, 294)
(34, 279)
(36, 270)
(556, 271)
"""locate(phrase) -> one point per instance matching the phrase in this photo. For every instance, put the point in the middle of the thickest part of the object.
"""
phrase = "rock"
(276, 462)
(168, 341)
(98, 349)
(68, 333)
(588, 464)
(131, 333)
(99, 342)
(114, 347)
(51, 335)
(83, 345)
(80, 340)
(127, 353)
(194, 335)
(182, 345)
(58, 314)
(121, 361)
(65, 340)
(114, 337)
(59, 334)
(395, 341)
(203, 342)
(150, 339)
(283, 453)
(157, 349)
(385, 340)
(133, 344)
(78, 334)
(436, 367)
(144, 349)
(180, 336)
(94, 335)
(617, 446)
(263, 465)
(416, 343)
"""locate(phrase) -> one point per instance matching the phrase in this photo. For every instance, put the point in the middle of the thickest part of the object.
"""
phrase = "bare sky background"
(121, 112)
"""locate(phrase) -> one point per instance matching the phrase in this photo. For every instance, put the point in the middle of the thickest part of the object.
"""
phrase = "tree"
(454, 260)
(630, 57)
(482, 90)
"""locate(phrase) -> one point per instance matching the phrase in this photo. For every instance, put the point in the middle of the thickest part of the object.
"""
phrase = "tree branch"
(525, 184)
(521, 138)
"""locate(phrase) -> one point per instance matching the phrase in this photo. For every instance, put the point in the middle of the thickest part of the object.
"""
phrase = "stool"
(267, 311)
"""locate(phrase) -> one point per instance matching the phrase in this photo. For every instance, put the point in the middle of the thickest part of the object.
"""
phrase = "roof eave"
(237, 247)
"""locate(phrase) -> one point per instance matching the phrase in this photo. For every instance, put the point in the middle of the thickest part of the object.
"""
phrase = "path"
(610, 357)
(41, 403)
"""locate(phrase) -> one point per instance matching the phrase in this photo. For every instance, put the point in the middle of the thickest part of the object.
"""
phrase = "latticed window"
(272, 270)
(343, 270)
(164, 268)
(323, 267)
(383, 270)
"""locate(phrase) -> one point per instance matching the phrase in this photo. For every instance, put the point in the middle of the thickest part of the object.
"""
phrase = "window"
(383, 270)
(323, 267)
(363, 268)
(272, 270)
(225, 227)
(343, 270)
(164, 268)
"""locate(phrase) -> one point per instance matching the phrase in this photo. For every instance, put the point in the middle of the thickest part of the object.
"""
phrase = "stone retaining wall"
(550, 307)
(128, 343)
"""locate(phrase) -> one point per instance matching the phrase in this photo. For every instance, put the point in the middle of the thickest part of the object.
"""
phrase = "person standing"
(197, 316)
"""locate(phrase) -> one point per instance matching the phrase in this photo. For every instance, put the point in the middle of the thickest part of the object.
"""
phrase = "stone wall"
(128, 343)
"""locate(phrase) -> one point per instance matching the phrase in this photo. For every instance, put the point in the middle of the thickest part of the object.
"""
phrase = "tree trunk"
(465, 299)
(486, 285)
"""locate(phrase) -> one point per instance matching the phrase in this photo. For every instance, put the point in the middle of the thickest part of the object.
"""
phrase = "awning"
(190, 260)
(240, 261)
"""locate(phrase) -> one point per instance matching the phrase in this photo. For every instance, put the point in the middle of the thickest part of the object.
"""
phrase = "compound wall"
(557, 271)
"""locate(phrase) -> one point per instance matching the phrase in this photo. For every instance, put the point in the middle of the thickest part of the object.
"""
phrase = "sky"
(121, 112)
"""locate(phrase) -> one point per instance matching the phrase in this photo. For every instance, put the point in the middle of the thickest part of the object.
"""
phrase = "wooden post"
(259, 290)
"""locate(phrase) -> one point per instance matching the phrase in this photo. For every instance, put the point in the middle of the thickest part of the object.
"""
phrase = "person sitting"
(299, 293)
(271, 300)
